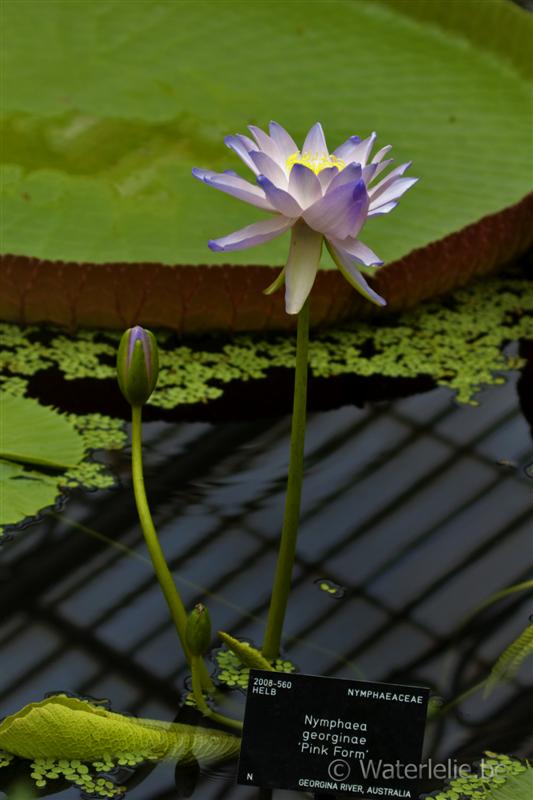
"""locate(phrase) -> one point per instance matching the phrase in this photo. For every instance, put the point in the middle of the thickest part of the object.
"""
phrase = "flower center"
(314, 161)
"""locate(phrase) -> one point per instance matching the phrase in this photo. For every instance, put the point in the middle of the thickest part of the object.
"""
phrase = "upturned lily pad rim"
(120, 295)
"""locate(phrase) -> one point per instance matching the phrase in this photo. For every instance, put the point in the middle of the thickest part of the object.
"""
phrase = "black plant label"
(331, 736)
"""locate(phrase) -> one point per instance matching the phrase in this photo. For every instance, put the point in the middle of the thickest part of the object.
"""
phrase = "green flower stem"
(196, 668)
(287, 548)
(166, 581)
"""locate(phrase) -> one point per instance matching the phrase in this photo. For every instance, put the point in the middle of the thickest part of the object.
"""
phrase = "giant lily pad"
(107, 106)
(36, 435)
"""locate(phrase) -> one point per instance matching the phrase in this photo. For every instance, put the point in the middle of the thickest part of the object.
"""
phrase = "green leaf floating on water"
(62, 727)
(35, 435)
(24, 493)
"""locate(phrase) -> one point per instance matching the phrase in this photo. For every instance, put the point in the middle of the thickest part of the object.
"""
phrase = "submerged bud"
(137, 365)
(199, 630)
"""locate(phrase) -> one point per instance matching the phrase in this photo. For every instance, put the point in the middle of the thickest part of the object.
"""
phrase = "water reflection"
(406, 505)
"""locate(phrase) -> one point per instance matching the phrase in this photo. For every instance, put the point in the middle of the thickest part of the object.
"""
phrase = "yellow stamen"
(314, 161)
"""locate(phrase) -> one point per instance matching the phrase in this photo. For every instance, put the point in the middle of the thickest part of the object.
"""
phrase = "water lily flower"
(318, 195)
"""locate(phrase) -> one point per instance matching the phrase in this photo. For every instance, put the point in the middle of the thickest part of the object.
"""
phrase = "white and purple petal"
(252, 235)
(302, 266)
(315, 142)
(350, 174)
(364, 148)
(325, 176)
(304, 185)
(395, 190)
(360, 252)
(233, 184)
(341, 212)
(281, 200)
(382, 165)
(377, 158)
(284, 141)
(265, 143)
(239, 144)
(369, 172)
(358, 152)
(384, 209)
(348, 266)
(344, 150)
(269, 168)
(396, 173)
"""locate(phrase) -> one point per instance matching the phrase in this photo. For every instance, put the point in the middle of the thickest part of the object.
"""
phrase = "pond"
(415, 510)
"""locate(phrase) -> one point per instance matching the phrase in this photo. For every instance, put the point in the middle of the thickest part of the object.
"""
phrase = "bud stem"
(287, 547)
(166, 581)
(197, 663)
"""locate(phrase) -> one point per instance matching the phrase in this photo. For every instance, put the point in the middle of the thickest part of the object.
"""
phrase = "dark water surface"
(414, 511)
